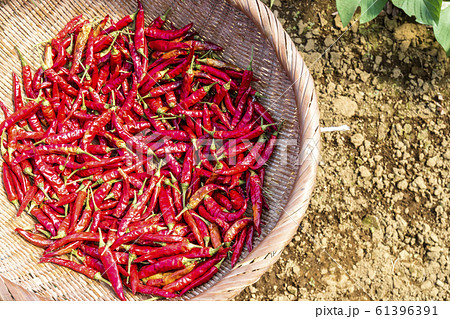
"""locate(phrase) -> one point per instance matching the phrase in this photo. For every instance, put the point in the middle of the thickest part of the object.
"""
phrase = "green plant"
(429, 12)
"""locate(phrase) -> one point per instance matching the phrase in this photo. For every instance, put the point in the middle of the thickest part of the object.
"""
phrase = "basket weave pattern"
(236, 25)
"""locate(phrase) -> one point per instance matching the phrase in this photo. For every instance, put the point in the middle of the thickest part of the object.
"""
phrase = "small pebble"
(357, 139)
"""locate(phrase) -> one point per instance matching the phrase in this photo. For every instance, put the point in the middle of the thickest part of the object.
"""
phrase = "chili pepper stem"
(22, 59)
(10, 152)
(166, 14)
(200, 217)
(82, 179)
(249, 68)
(93, 201)
(207, 131)
(3, 150)
(75, 253)
(260, 95)
(154, 299)
(169, 183)
(264, 127)
(59, 235)
(208, 87)
(32, 205)
(205, 55)
(98, 276)
(46, 233)
(131, 258)
(16, 203)
(73, 173)
(85, 73)
(89, 154)
(185, 209)
(101, 243)
(184, 188)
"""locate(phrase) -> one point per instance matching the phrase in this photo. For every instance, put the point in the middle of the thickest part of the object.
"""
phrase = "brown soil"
(377, 225)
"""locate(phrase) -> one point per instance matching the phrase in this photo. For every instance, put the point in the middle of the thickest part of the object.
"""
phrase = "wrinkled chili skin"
(53, 178)
(236, 228)
(112, 271)
(257, 201)
(198, 196)
(197, 272)
(82, 269)
(9, 186)
(35, 239)
(205, 277)
(238, 247)
(165, 264)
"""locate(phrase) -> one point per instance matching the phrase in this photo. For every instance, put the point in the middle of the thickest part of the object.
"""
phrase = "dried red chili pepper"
(27, 77)
(112, 270)
(237, 200)
(248, 161)
(9, 186)
(205, 277)
(170, 277)
(136, 208)
(198, 196)
(238, 247)
(82, 269)
(133, 235)
(68, 28)
(80, 44)
(268, 150)
(63, 84)
(43, 220)
(35, 239)
(216, 239)
(166, 264)
(220, 64)
(29, 195)
(82, 236)
(167, 207)
(257, 200)
(235, 229)
(139, 30)
(19, 115)
(189, 278)
(119, 25)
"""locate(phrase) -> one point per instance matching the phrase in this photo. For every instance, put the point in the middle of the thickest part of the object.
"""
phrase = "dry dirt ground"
(377, 227)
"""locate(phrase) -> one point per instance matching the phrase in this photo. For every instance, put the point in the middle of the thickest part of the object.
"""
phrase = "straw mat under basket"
(236, 25)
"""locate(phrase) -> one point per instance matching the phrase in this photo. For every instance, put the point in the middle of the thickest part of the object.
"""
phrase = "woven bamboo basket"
(288, 89)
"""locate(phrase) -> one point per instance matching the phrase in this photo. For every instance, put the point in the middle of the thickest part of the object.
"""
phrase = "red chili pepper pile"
(137, 152)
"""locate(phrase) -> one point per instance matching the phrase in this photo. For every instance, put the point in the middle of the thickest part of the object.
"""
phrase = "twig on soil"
(335, 128)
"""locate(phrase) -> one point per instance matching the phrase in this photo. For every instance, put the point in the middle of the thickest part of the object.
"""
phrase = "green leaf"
(369, 9)
(425, 11)
(346, 9)
(442, 30)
